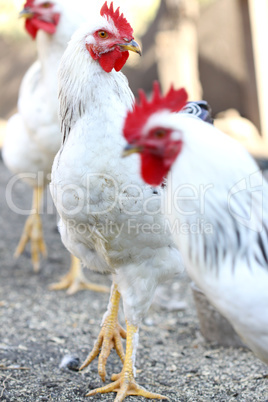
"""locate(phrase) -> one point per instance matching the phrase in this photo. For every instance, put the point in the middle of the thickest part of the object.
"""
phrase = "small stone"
(172, 368)
(57, 340)
(70, 362)
(149, 322)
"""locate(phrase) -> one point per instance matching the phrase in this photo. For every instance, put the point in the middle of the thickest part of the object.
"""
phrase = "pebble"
(70, 362)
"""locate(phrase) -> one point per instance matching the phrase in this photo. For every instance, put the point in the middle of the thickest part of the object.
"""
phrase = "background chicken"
(33, 134)
(217, 203)
(103, 204)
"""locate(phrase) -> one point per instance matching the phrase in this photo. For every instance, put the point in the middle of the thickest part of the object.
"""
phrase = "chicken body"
(101, 198)
(33, 134)
(110, 219)
(32, 138)
(228, 256)
(217, 213)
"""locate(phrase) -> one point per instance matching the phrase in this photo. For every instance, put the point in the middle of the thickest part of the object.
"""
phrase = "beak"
(26, 13)
(131, 149)
(133, 46)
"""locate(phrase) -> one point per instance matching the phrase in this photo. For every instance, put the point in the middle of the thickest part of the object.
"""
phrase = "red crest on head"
(29, 3)
(174, 101)
(119, 20)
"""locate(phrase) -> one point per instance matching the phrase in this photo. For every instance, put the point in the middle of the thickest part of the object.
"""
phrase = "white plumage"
(90, 177)
(33, 134)
(218, 197)
(99, 196)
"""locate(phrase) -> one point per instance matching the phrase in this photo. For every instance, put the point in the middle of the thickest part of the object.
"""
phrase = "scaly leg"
(109, 337)
(33, 232)
(75, 280)
(124, 383)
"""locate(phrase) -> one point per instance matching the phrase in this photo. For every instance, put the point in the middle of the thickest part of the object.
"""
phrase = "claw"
(109, 337)
(125, 389)
(75, 281)
(33, 233)
(124, 384)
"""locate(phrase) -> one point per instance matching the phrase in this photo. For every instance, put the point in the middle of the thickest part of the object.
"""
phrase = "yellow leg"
(124, 383)
(109, 337)
(75, 280)
(33, 232)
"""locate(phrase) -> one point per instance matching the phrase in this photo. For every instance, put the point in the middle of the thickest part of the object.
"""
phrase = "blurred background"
(214, 48)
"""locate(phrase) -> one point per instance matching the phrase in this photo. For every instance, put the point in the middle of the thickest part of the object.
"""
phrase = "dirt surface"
(40, 327)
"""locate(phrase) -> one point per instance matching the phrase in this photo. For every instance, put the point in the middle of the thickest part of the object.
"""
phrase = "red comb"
(29, 3)
(174, 101)
(119, 20)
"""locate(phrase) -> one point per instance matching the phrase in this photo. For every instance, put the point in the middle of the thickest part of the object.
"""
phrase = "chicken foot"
(75, 280)
(33, 232)
(109, 336)
(124, 383)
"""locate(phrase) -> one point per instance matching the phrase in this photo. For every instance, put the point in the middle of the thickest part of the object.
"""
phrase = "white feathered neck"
(50, 48)
(85, 88)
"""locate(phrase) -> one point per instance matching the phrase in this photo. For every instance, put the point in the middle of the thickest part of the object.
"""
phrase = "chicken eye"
(47, 4)
(160, 134)
(103, 34)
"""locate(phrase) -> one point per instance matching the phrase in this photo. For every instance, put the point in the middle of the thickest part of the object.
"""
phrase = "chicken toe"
(74, 280)
(124, 383)
(110, 336)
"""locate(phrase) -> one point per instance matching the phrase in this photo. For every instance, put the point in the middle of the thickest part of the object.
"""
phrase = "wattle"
(153, 169)
(114, 59)
(33, 25)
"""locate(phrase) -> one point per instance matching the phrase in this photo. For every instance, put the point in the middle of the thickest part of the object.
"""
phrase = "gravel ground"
(39, 327)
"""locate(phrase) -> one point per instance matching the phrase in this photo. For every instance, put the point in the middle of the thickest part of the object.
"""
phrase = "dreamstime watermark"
(103, 196)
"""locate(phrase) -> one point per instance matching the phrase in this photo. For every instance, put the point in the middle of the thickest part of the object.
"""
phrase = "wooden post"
(258, 12)
(177, 47)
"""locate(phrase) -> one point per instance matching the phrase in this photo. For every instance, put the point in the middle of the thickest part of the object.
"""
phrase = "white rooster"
(216, 207)
(109, 218)
(33, 134)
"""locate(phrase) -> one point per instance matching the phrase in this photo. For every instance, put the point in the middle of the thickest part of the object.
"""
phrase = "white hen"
(109, 218)
(33, 134)
(216, 207)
